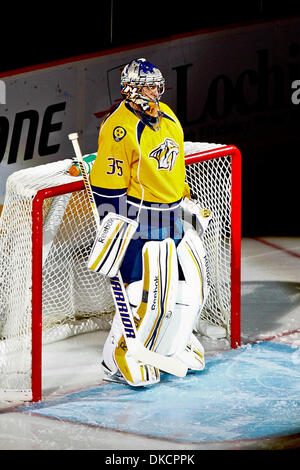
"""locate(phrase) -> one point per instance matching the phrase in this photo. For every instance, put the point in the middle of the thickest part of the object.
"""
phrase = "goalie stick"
(135, 348)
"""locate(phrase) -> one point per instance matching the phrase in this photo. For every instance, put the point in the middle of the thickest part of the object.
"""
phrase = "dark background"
(37, 33)
(33, 33)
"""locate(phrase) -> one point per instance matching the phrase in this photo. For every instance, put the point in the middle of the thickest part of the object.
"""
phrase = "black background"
(33, 33)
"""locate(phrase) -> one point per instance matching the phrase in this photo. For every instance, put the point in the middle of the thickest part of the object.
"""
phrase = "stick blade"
(167, 364)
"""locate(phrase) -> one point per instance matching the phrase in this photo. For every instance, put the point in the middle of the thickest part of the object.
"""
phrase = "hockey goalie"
(138, 184)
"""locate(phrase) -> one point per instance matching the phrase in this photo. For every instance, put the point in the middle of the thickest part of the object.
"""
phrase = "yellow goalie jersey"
(133, 159)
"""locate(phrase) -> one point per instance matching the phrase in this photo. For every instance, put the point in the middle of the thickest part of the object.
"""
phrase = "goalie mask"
(143, 84)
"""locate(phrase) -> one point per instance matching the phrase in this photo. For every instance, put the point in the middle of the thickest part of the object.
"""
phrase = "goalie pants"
(154, 226)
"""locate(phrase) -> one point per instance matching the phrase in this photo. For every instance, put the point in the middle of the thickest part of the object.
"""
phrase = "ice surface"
(262, 402)
(247, 393)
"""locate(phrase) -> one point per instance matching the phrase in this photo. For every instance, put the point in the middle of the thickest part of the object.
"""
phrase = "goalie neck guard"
(143, 84)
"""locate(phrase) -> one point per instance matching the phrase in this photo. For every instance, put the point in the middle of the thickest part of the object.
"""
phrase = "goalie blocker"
(110, 245)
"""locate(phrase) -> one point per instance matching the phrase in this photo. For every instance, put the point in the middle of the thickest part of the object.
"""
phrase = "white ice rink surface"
(270, 311)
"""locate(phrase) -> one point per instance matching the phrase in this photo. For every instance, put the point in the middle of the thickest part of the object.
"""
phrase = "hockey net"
(46, 232)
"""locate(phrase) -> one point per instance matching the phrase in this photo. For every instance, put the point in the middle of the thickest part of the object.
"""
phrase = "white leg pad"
(193, 354)
(110, 345)
(192, 294)
(152, 301)
(157, 294)
(116, 358)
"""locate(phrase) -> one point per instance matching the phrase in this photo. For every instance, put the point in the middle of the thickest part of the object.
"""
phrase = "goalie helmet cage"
(38, 290)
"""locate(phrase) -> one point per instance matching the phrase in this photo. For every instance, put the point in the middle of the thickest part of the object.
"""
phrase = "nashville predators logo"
(165, 154)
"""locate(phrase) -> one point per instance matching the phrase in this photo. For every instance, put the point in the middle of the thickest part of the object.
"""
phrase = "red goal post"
(236, 200)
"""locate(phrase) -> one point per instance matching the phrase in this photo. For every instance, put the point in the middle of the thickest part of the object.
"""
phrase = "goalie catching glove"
(197, 217)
